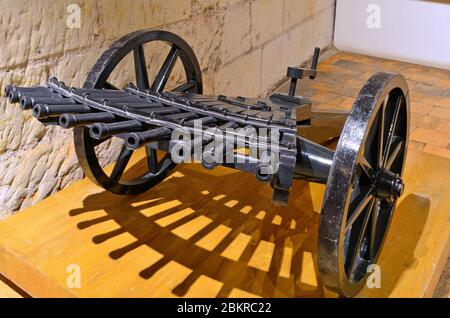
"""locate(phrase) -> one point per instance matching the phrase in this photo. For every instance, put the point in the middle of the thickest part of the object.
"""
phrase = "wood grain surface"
(214, 233)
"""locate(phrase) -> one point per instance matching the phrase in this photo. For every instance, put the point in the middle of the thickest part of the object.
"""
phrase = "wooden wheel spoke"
(152, 159)
(165, 162)
(164, 73)
(121, 164)
(373, 231)
(360, 239)
(140, 67)
(363, 201)
(397, 146)
(381, 133)
(392, 129)
(185, 87)
(366, 166)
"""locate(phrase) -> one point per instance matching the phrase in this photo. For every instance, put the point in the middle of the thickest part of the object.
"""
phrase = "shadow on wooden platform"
(213, 233)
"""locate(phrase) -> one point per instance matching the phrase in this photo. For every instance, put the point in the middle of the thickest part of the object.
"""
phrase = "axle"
(313, 161)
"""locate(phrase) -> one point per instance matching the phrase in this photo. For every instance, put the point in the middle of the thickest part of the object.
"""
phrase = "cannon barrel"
(75, 120)
(44, 110)
(14, 93)
(103, 130)
(119, 100)
(204, 120)
(106, 95)
(27, 102)
(144, 105)
(183, 116)
(160, 111)
(40, 94)
(313, 161)
(8, 89)
(137, 139)
(97, 91)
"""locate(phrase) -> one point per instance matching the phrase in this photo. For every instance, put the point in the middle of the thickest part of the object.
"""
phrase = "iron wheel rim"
(158, 168)
(381, 96)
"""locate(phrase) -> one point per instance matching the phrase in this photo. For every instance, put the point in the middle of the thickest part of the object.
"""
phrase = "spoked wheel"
(364, 183)
(85, 145)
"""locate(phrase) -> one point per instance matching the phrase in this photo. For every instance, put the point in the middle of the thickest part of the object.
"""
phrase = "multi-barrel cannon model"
(363, 176)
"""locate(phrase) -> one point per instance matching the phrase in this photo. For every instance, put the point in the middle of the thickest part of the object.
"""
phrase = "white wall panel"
(409, 30)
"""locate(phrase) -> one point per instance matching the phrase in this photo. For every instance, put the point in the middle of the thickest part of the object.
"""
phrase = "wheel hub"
(389, 185)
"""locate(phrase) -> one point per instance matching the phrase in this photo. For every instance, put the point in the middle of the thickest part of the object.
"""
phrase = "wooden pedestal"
(213, 233)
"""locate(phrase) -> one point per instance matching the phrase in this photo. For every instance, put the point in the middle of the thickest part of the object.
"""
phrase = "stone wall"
(243, 46)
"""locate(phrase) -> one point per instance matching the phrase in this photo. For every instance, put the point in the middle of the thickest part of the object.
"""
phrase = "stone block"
(266, 20)
(205, 6)
(123, 16)
(236, 38)
(295, 12)
(241, 77)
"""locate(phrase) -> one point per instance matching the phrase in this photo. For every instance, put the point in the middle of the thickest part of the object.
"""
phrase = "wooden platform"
(214, 233)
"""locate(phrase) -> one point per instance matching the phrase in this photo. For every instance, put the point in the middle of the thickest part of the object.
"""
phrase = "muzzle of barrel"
(137, 139)
(103, 130)
(76, 120)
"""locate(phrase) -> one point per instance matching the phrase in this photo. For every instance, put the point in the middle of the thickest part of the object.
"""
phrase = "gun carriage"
(363, 175)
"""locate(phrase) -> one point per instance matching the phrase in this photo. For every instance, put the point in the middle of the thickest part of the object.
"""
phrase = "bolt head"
(399, 187)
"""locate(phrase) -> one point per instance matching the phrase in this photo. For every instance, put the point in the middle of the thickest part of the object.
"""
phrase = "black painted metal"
(296, 73)
(28, 102)
(363, 175)
(313, 161)
(14, 95)
(77, 120)
(138, 139)
(103, 130)
(45, 110)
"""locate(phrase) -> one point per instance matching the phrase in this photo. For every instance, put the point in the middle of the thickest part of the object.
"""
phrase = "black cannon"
(277, 138)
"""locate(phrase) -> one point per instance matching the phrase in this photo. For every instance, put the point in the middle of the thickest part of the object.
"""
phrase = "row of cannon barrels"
(51, 108)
